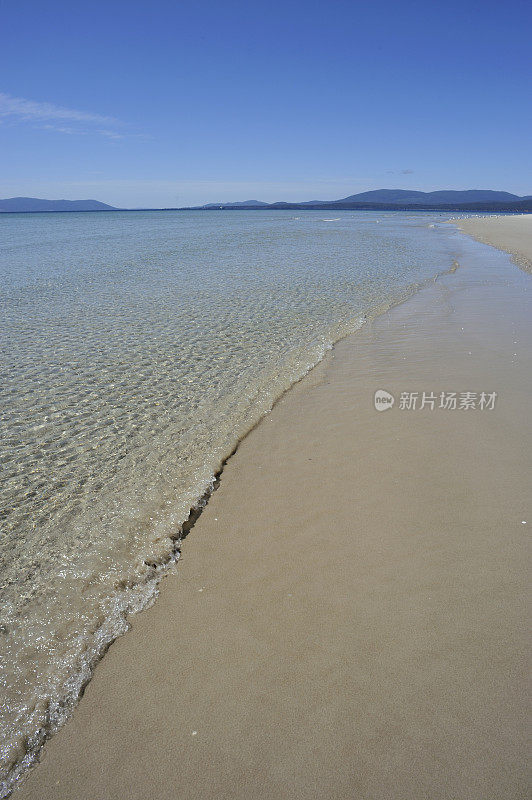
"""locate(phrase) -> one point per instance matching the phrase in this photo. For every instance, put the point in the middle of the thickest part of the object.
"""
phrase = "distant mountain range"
(395, 199)
(242, 203)
(378, 199)
(33, 204)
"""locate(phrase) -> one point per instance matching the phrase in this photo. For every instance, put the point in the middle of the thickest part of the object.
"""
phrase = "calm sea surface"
(136, 350)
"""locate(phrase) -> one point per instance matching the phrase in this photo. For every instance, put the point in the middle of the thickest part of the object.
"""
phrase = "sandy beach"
(512, 233)
(347, 619)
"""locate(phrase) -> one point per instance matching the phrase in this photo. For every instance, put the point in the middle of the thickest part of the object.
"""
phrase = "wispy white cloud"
(48, 116)
(70, 131)
(31, 110)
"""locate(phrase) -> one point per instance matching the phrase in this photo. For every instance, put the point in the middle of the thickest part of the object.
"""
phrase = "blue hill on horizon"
(395, 199)
(35, 204)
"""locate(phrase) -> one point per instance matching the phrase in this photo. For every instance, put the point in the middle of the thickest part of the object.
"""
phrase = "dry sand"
(348, 616)
(510, 232)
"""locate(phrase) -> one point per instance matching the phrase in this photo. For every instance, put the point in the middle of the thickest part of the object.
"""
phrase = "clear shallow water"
(136, 350)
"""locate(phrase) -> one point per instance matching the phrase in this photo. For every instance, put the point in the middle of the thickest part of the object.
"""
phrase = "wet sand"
(348, 616)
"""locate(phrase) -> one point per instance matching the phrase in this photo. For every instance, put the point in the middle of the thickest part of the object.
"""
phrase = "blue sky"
(176, 103)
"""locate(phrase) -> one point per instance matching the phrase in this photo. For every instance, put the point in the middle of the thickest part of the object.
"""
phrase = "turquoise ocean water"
(136, 350)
